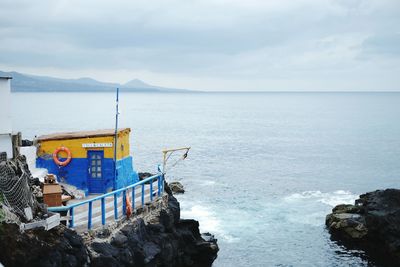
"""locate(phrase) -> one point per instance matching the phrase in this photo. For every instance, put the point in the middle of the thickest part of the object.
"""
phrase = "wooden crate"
(52, 195)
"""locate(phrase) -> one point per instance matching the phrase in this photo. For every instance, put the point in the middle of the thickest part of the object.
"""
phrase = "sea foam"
(311, 207)
(208, 220)
(329, 198)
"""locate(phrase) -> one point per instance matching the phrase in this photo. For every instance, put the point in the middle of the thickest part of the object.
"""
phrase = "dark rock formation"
(167, 241)
(163, 240)
(144, 175)
(26, 142)
(176, 187)
(372, 224)
(58, 247)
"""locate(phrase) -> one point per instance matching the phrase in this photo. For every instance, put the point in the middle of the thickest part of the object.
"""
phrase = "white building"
(6, 133)
(5, 117)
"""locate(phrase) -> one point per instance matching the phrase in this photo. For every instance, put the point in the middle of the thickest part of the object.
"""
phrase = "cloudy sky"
(209, 44)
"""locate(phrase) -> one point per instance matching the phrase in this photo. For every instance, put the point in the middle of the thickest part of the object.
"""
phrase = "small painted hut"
(86, 159)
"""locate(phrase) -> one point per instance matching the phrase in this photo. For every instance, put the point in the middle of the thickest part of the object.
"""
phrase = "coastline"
(371, 224)
(156, 237)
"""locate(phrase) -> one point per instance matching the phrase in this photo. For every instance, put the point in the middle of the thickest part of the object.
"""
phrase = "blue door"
(95, 171)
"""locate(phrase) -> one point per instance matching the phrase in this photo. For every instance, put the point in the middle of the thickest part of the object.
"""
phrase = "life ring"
(59, 162)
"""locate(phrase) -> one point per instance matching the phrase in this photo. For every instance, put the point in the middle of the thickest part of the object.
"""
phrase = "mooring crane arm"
(175, 149)
(170, 151)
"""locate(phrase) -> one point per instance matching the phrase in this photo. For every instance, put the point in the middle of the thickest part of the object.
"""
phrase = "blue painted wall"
(76, 172)
(126, 173)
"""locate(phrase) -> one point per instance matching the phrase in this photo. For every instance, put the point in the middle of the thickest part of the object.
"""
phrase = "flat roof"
(5, 77)
(81, 134)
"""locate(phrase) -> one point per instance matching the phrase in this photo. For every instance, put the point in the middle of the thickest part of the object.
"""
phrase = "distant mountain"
(136, 83)
(31, 83)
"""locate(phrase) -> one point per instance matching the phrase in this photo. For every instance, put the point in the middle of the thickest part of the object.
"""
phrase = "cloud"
(386, 44)
(219, 44)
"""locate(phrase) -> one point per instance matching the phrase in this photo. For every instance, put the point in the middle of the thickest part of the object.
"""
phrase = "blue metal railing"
(160, 189)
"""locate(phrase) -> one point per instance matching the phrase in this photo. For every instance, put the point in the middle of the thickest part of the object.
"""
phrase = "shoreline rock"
(371, 224)
(160, 238)
(177, 187)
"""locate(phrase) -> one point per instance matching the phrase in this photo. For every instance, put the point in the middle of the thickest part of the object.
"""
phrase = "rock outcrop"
(177, 187)
(166, 241)
(160, 239)
(57, 247)
(372, 224)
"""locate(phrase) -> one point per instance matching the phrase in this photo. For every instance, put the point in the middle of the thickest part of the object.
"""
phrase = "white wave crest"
(311, 207)
(208, 221)
(207, 182)
(330, 198)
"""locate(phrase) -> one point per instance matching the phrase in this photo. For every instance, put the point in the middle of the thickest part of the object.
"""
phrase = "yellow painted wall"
(77, 151)
(123, 145)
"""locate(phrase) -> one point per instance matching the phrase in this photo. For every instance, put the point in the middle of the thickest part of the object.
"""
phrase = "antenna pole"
(116, 140)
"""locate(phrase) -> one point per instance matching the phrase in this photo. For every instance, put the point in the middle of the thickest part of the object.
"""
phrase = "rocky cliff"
(372, 224)
(159, 238)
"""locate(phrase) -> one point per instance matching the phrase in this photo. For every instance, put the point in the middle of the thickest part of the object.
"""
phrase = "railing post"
(124, 191)
(71, 214)
(158, 185)
(151, 190)
(142, 195)
(89, 224)
(124, 202)
(133, 199)
(115, 206)
(103, 211)
(162, 183)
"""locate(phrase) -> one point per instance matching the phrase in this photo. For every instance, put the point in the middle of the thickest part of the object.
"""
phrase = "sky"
(209, 45)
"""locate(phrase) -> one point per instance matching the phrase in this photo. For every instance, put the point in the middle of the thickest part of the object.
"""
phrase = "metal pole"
(164, 161)
(116, 141)
(170, 151)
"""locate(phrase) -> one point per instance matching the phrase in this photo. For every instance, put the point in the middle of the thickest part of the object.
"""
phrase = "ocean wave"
(329, 198)
(207, 182)
(208, 221)
(311, 207)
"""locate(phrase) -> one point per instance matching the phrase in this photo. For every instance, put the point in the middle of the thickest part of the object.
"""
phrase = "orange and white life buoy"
(128, 207)
(57, 160)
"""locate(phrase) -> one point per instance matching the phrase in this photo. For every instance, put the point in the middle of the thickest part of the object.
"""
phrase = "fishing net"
(14, 187)
(8, 216)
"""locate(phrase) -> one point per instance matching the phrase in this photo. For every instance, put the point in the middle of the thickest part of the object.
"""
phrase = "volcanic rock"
(176, 187)
(160, 238)
(372, 224)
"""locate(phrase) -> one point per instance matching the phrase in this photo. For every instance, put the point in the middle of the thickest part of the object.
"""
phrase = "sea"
(264, 169)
